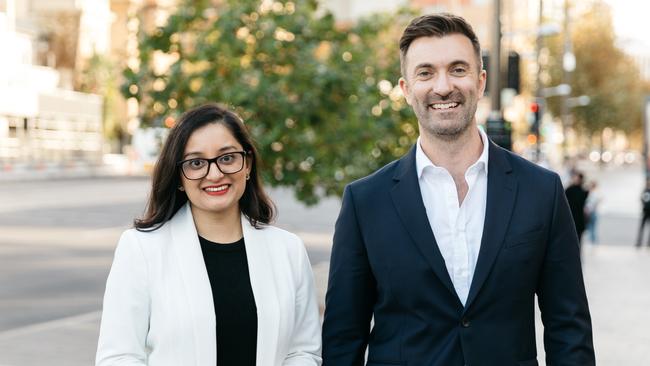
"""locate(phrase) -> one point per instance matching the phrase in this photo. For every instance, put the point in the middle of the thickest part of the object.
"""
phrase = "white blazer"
(158, 306)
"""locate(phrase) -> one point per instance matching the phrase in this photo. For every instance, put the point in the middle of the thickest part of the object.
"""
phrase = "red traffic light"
(534, 107)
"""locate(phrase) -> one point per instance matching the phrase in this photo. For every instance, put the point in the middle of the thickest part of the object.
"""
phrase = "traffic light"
(513, 79)
(536, 112)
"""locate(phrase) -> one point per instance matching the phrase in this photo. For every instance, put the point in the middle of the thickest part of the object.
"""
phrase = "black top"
(234, 304)
(577, 197)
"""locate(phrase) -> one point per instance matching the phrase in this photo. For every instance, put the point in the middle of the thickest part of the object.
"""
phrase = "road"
(57, 239)
(56, 245)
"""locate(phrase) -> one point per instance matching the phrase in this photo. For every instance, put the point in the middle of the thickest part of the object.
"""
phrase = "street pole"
(646, 138)
(495, 124)
(538, 82)
(495, 62)
(568, 65)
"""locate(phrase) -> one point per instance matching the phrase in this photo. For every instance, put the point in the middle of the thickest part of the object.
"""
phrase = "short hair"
(165, 199)
(437, 25)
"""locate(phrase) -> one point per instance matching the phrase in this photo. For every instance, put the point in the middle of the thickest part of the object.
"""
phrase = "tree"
(99, 76)
(603, 72)
(321, 99)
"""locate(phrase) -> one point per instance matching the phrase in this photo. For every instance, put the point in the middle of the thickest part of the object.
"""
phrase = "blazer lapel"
(408, 202)
(187, 250)
(264, 291)
(501, 192)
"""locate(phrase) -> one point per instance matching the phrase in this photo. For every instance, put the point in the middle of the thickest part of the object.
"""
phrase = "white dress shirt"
(458, 229)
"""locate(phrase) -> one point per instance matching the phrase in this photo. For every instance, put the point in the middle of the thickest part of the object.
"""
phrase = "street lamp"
(568, 66)
(580, 101)
(554, 91)
(569, 61)
(543, 30)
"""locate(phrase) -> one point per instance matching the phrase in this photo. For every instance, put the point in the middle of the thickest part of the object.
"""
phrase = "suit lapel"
(407, 199)
(187, 250)
(263, 283)
(501, 192)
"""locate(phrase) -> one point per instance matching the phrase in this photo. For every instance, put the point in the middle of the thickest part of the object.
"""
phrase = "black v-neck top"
(234, 304)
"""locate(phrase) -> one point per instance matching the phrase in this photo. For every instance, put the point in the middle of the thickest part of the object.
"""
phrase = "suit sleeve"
(125, 316)
(305, 348)
(561, 292)
(351, 292)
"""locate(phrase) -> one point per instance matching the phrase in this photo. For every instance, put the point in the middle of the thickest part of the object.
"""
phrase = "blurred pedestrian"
(591, 211)
(645, 214)
(446, 247)
(576, 195)
(203, 279)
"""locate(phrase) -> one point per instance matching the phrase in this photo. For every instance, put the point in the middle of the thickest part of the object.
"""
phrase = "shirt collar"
(422, 161)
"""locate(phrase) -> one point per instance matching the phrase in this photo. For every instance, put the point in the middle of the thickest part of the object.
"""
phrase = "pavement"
(616, 273)
(616, 279)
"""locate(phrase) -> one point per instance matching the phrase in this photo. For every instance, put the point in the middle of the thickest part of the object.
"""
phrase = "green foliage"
(603, 72)
(99, 76)
(320, 99)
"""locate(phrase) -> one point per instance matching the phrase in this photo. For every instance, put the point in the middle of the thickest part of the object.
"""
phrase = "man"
(447, 246)
(645, 214)
(577, 195)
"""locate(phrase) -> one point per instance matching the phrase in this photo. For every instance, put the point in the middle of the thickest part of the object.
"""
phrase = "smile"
(442, 106)
(216, 190)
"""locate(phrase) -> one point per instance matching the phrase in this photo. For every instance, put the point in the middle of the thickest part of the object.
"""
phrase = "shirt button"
(465, 323)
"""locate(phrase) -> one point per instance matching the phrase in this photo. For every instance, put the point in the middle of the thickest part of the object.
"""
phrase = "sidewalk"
(617, 286)
(111, 165)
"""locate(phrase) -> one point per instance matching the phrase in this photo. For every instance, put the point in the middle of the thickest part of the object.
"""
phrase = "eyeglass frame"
(244, 154)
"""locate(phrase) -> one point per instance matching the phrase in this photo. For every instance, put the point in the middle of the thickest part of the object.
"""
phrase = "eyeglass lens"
(227, 163)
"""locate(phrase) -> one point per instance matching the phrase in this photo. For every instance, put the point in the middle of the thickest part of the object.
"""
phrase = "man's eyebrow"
(428, 65)
(460, 62)
(424, 65)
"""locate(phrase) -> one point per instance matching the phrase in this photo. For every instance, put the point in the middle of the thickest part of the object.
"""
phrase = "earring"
(248, 176)
(180, 188)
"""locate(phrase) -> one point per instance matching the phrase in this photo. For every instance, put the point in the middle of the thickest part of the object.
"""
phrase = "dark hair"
(166, 199)
(436, 25)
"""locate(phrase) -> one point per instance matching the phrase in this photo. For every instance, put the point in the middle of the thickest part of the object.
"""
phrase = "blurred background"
(89, 88)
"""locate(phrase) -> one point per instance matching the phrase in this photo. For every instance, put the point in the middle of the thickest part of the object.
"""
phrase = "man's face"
(443, 83)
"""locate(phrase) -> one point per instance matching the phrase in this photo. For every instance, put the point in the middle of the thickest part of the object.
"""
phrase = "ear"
(403, 84)
(482, 82)
(249, 164)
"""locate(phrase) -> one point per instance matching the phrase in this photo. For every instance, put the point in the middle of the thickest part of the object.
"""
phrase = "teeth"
(216, 189)
(444, 105)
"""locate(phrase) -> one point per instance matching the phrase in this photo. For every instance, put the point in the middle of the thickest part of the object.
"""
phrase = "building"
(44, 122)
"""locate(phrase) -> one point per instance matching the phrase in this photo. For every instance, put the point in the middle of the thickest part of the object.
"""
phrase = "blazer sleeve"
(561, 292)
(125, 316)
(305, 345)
(351, 292)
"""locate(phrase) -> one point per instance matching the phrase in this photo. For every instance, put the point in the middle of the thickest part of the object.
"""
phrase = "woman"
(591, 211)
(203, 279)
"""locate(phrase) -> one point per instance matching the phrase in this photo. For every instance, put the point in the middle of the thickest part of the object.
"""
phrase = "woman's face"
(217, 192)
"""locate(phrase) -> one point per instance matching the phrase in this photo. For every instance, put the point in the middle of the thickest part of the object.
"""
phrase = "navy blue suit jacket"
(386, 263)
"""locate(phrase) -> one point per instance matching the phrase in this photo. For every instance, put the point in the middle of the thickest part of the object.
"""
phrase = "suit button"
(465, 323)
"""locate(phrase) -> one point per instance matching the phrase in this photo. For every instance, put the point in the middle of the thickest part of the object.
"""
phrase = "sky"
(632, 22)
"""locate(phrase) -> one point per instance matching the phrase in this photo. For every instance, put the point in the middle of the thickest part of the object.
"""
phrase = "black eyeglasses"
(199, 168)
